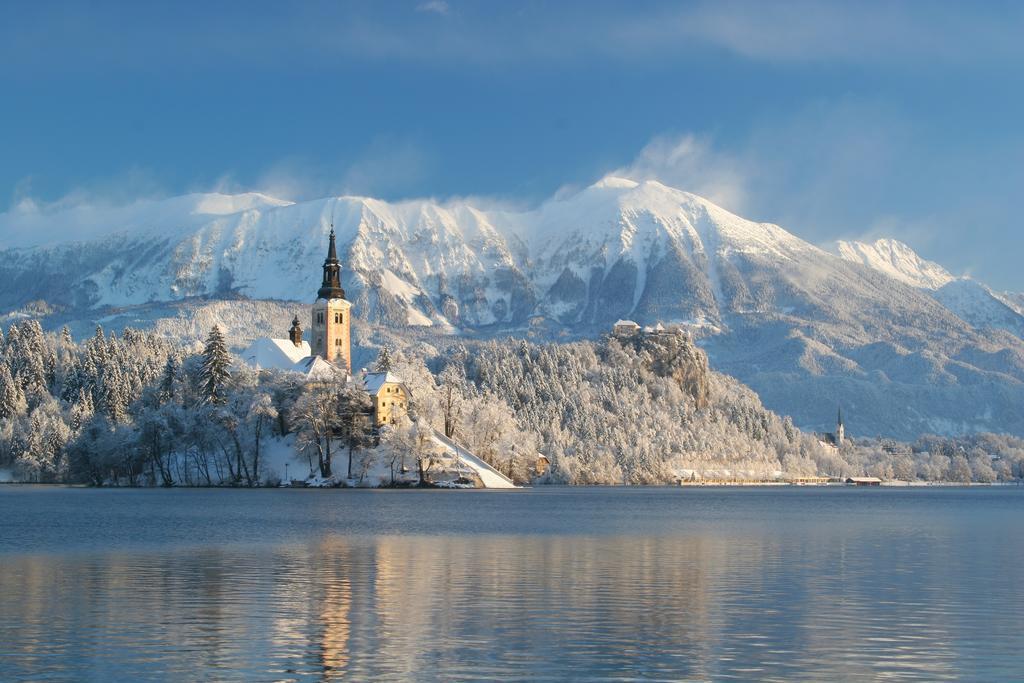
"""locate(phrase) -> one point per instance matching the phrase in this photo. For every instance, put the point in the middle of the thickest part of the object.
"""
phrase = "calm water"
(544, 584)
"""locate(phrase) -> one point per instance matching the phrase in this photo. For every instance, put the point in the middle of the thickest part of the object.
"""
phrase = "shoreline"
(689, 485)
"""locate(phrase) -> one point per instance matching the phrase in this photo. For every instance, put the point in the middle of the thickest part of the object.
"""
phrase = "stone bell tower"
(331, 337)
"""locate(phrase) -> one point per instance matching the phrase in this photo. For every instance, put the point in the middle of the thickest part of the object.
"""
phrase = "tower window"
(337, 317)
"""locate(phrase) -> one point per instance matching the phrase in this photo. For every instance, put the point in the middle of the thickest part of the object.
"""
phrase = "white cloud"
(691, 163)
(782, 31)
(436, 6)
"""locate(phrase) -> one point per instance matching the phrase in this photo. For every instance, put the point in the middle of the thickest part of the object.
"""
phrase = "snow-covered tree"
(261, 413)
(12, 398)
(354, 407)
(216, 369)
(384, 361)
(317, 421)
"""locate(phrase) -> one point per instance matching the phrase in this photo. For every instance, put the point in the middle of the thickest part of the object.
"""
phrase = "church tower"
(331, 324)
(840, 429)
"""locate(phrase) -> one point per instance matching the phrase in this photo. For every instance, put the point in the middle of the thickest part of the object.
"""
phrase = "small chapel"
(327, 356)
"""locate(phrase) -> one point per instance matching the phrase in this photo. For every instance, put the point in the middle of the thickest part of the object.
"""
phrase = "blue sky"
(834, 120)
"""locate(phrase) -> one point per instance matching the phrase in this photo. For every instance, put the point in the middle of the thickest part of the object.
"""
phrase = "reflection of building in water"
(699, 602)
(335, 619)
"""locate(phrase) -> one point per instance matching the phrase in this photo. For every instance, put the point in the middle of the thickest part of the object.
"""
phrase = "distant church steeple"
(330, 288)
(840, 429)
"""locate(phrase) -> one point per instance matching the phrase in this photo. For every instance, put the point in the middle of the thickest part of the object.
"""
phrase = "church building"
(327, 356)
(838, 437)
(332, 338)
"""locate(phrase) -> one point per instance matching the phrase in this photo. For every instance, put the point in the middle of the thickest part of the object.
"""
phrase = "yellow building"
(390, 397)
(332, 326)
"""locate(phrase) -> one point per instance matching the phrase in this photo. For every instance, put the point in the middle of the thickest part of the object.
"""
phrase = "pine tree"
(384, 360)
(115, 399)
(12, 400)
(82, 410)
(215, 372)
(169, 380)
(26, 355)
(72, 383)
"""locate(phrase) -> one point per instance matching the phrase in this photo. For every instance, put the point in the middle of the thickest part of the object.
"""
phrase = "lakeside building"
(327, 358)
(864, 481)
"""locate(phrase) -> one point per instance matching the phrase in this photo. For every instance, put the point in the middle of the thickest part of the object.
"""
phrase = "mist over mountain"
(904, 346)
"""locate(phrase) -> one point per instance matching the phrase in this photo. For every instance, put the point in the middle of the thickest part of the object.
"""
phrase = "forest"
(140, 408)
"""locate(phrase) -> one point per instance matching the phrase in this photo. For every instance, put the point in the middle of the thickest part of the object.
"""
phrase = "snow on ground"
(491, 478)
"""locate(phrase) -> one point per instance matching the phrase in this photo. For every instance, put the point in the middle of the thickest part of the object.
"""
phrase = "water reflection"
(809, 604)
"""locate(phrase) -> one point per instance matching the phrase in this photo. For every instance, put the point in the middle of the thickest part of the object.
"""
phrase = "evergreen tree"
(115, 400)
(72, 384)
(12, 400)
(27, 356)
(169, 379)
(384, 361)
(215, 372)
(82, 410)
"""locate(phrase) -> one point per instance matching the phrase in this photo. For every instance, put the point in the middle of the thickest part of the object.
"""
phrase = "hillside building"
(625, 328)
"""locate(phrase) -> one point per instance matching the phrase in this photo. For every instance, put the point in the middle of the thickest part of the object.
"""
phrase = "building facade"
(390, 397)
(332, 324)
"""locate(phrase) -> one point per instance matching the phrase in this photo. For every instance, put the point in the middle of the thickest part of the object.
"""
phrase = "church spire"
(332, 251)
(330, 288)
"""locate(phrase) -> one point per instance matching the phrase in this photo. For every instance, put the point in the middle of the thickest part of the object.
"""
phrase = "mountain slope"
(896, 260)
(876, 328)
(970, 300)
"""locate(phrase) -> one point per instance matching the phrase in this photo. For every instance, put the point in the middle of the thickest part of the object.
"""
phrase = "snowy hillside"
(901, 343)
(896, 260)
(970, 300)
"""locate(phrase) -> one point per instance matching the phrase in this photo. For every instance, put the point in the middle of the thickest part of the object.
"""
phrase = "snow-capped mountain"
(972, 301)
(897, 260)
(875, 328)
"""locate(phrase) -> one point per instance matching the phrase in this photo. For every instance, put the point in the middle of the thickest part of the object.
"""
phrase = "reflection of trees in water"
(703, 606)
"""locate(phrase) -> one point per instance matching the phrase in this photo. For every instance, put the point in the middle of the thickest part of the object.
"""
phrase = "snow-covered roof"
(275, 354)
(281, 354)
(374, 381)
(627, 323)
(317, 369)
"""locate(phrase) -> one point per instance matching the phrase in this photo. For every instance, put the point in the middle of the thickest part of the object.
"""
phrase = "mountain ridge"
(802, 326)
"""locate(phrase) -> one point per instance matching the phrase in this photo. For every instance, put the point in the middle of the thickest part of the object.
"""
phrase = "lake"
(538, 584)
